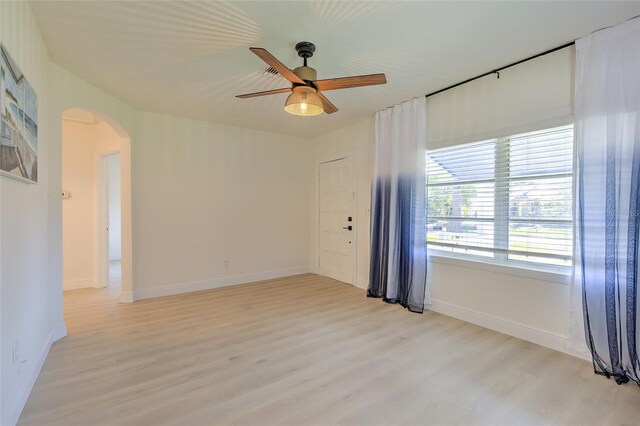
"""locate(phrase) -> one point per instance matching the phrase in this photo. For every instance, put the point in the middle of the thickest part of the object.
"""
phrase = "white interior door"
(337, 220)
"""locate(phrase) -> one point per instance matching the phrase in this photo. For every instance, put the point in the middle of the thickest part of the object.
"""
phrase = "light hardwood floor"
(304, 350)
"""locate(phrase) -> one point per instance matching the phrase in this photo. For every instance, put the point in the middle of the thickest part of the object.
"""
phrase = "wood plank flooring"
(304, 350)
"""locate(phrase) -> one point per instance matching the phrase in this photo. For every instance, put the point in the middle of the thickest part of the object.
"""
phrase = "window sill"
(558, 276)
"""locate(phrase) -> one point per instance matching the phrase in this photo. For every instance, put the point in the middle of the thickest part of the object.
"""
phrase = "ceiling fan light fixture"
(304, 101)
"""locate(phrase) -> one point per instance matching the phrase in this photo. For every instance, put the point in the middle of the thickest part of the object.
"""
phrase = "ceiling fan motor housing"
(306, 73)
(305, 50)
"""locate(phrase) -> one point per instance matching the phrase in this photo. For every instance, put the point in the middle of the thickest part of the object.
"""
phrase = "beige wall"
(535, 95)
(205, 193)
(82, 143)
(26, 316)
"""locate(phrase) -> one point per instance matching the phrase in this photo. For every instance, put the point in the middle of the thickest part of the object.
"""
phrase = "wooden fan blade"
(276, 65)
(265, 93)
(329, 108)
(349, 82)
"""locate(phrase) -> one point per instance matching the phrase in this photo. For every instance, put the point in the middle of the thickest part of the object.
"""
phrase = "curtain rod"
(497, 70)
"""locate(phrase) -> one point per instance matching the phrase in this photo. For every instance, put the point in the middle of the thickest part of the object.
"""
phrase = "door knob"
(348, 227)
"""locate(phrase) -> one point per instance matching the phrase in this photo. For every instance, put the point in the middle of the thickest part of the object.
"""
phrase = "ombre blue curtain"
(607, 131)
(398, 267)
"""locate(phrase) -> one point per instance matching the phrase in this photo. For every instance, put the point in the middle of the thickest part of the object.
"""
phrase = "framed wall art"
(19, 127)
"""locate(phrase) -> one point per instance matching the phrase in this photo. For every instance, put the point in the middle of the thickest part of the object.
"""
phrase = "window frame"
(502, 220)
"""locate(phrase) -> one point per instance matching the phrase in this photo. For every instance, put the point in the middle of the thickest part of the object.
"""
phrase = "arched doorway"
(96, 204)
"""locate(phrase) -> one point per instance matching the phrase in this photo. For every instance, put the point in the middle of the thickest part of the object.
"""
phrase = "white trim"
(30, 380)
(500, 251)
(362, 282)
(79, 119)
(535, 335)
(188, 287)
(328, 159)
(517, 271)
(58, 331)
(81, 283)
(127, 297)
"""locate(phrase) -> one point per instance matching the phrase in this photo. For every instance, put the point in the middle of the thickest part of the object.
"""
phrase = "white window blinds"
(506, 199)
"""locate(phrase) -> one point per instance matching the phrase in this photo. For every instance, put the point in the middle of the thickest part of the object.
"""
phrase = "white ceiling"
(191, 59)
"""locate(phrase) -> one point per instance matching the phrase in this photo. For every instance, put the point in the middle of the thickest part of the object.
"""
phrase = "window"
(505, 200)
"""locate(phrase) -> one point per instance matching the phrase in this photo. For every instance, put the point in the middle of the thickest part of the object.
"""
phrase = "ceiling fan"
(305, 92)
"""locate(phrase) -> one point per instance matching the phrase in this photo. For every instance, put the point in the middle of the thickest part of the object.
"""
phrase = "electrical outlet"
(227, 263)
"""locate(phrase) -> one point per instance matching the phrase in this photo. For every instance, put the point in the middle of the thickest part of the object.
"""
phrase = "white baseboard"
(31, 377)
(362, 282)
(545, 338)
(58, 331)
(76, 284)
(188, 287)
(127, 297)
